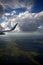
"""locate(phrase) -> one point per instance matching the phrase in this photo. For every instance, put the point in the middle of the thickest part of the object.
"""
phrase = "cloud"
(27, 22)
(40, 29)
(1, 10)
(7, 14)
(1, 28)
(10, 15)
(39, 17)
(17, 3)
(13, 4)
(4, 24)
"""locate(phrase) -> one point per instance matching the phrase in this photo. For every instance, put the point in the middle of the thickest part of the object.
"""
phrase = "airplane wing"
(10, 29)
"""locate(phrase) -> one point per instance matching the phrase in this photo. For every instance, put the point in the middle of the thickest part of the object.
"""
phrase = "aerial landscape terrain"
(25, 48)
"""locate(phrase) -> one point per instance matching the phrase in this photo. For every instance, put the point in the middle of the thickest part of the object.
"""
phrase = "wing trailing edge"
(10, 29)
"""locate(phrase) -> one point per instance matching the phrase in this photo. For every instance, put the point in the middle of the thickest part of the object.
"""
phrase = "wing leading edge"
(10, 29)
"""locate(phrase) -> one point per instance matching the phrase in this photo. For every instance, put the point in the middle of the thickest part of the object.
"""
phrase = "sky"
(27, 13)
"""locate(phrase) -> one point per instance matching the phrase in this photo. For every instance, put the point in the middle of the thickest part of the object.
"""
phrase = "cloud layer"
(13, 4)
(17, 3)
(28, 22)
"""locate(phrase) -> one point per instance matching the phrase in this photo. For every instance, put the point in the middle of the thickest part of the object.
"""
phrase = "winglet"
(14, 27)
(10, 29)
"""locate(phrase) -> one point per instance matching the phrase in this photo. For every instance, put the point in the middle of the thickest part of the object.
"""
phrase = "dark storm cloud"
(30, 22)
(29, 27)
(1, 10)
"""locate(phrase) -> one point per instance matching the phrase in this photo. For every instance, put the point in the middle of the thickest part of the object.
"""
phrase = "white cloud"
(7, 14)
(40, 27)
(4, 24)
(28, 22)
(13, 12)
